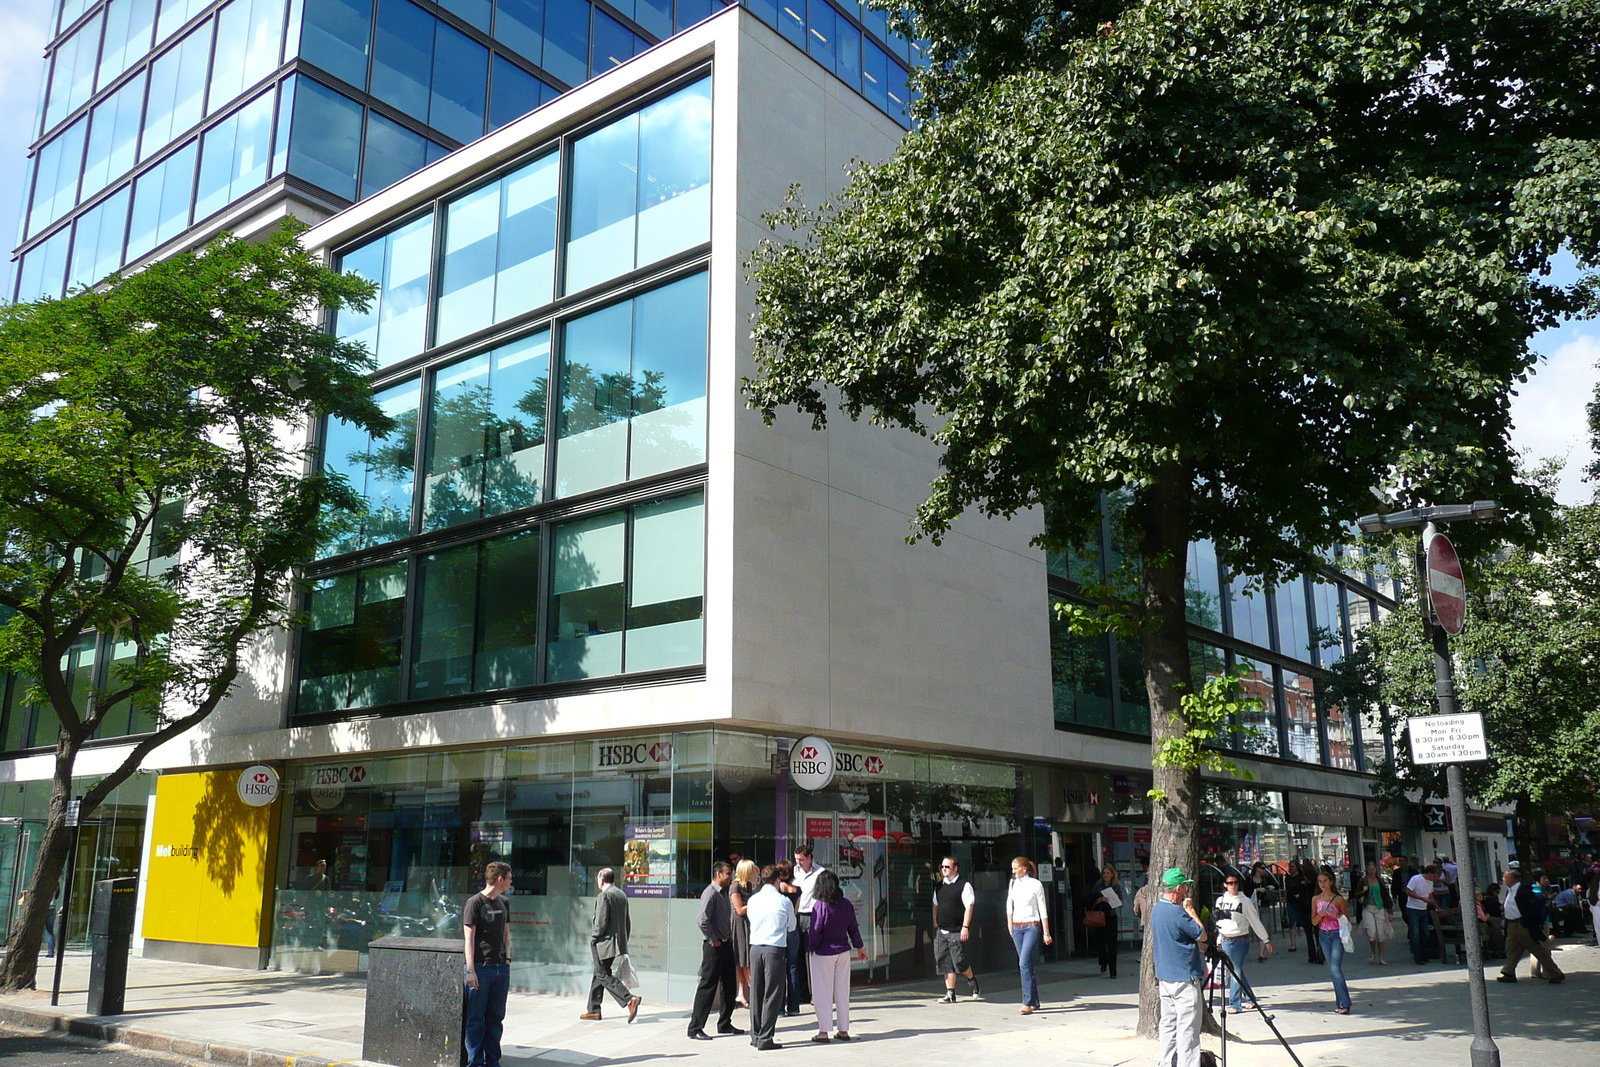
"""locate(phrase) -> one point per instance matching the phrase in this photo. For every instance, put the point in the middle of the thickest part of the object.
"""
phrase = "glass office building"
(160, 118)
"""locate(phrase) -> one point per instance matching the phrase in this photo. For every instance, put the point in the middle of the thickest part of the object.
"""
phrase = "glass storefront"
(404, 841)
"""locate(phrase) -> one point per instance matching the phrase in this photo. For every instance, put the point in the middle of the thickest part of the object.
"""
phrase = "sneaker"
(977, 994)
(949, 997)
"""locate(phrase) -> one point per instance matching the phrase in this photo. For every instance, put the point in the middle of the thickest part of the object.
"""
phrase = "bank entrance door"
(19, 850)
(1080, 855)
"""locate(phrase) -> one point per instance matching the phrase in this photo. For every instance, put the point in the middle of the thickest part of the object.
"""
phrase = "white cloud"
(22, 41)
(1549, 414)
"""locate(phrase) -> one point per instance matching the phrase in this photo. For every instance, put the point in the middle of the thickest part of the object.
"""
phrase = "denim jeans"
(486, 1014)
(1333, 949)
(1417, 931)
(1027, 939)
(1238, 950)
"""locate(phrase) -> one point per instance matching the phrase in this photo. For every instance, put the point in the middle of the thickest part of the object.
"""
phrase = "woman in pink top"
(1326, 908)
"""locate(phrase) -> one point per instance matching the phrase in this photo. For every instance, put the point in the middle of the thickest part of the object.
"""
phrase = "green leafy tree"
(1237, 262)
(1528, 660)
(168, 396)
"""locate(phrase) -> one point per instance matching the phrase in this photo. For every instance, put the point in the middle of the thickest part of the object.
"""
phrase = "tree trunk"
(1174, 830)
(22, 947)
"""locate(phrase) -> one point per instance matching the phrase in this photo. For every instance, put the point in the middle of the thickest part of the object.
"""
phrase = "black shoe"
(768, 1046)
(729, 1031)
(977, 994)
(699, 1035)
(1507, 978)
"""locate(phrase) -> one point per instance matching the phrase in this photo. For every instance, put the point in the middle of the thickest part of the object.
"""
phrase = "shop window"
(129, 24)
(641, 188)
(1202, 587)
(97, 240)
(1293, 637)
(1080, 672)
(499, 250)
(161, 202)
(608, 614)
(379, 470)
(485, 433)
(55, 177)
(113, 137)
(177, 91)
(394, 326)
(234, 155)
(335, 36)
(249, 46)
(350, 657)
(1260, 685)
(72, 73)
(636, 369)
(477, 618)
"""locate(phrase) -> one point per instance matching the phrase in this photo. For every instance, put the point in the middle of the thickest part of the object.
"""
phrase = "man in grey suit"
(607, 941)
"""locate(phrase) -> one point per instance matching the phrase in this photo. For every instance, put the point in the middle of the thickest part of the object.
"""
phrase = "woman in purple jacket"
(833, 933)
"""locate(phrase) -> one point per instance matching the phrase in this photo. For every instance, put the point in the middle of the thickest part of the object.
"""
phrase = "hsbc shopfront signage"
(814, 763)
(628, 754)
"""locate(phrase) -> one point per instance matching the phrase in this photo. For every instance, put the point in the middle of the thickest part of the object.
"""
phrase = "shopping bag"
(625, 972)
(1344, 934)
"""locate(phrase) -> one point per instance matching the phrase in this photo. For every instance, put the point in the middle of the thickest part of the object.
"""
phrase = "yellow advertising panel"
(209, 862)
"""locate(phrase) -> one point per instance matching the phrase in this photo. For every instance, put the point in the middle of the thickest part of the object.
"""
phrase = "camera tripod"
(1216, 997)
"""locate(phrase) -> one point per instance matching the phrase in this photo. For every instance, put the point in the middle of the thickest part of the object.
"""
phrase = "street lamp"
(1484, 1051)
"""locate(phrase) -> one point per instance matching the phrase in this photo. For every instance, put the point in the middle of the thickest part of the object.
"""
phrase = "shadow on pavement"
(22, 1048)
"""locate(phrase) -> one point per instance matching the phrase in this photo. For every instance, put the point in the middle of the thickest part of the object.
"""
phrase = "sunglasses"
(946, 867)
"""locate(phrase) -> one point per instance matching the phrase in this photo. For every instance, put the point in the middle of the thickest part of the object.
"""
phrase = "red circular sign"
(1446, 585)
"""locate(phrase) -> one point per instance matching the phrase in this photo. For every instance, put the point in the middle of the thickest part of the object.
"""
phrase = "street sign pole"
(73, 821)
(1485, 1053)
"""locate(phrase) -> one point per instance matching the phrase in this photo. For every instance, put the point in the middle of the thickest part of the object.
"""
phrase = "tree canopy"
(153, 496)
(1243, 262)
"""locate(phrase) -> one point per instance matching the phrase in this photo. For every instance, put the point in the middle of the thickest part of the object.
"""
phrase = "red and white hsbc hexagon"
(811, 763)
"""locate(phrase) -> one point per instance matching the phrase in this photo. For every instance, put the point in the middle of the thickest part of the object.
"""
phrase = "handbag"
(625, 972)
(1094, 919)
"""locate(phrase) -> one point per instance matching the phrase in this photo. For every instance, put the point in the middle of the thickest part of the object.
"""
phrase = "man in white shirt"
(806, 869)
(1451, 875)
(952, 924)
(771, 918)
(1419, 899)
(1237, 917)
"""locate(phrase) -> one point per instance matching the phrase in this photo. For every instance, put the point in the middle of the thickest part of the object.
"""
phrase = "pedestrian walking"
(1419, 912)
(953, 899)
(1176, 935)
(1301, 888)
(1237, 917)
(715, 920)
(486, 926)
(1524, 912)
(1451, 875)
(1262, 888)
(1028, 919)
(806, 870)
(1327, 908)
(1105, 900)
(834, 932)
(1372, 902)
(746, 883)
(608, 939)
(787, 887)
(771, 919)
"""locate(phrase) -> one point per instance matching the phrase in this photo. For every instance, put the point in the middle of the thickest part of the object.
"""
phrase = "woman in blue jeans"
(1326, 909)
(1028, 920)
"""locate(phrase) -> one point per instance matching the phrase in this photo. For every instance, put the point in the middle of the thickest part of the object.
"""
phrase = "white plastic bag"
(1344, 934)
(625, 972)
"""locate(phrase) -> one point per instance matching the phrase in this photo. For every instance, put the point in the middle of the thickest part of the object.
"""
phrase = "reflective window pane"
(690, 12)
(43, 270)
(72, 72)
(175, 14)
(847, 61)
(113, 137)
(1202, 591)
(441, 655)
(1329, 634)
(519, 25)
(129, 24)
(379, 470)
(508, 613)
(596, 388)
(161, 202)
(473, 12)
(177, 91)
(513, 93)
(666, 585)
(325, 138)
(1341, 736)
(1300, 715)
(55, 177)
(605, 168)
(460, 85)
(499, 256)
(402, 64)
(1294, 638)
(392, 152)
(587, 610)
(248, 47)
(393, 327)
(1263, 721)
(1249, 613)
(234, 155)
(614, 44)
(97, 240)
(1133, 712)
(566, 39)
(1080, 675)
(335, 35)
(669, 378)
(821, 37)
(350, 655)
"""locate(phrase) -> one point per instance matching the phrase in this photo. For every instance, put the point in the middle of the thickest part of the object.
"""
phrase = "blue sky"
(1549, 410)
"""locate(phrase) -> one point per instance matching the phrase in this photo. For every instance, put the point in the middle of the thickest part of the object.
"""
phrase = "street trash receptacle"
(415, 1002)
(111, 936)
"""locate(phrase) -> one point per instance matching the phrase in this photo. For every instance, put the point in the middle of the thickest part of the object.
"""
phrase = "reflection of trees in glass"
(966, 804)
(383, 511)
(481, 477)
(590, 401)
(1080, 676)
(579, 606)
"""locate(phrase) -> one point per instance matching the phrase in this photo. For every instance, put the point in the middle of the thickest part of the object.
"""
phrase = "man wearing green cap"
(1177, 935)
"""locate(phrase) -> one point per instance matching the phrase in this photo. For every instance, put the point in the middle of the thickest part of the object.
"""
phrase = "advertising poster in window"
(649, 861)
(852, 847)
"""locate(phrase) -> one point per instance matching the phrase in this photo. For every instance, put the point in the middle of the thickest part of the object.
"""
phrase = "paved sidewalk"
(275, 1019)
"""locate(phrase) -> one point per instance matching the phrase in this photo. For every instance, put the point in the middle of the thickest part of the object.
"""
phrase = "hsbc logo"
(258, 785)
(857, 763)
(341, 774)
(623, 754)
(809, 752)
(812, 763)
(874, 765)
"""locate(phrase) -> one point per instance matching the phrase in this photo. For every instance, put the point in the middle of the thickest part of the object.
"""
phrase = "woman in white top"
(1027, 919)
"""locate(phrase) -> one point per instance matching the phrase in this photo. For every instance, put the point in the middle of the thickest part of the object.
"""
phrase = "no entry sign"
(1446, 585)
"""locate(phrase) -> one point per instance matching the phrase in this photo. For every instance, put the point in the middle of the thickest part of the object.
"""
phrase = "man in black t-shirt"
(487, 922)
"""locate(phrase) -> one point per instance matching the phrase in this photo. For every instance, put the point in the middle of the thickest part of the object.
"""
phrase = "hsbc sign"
(812, 763)
(626, 755)
(258, 785)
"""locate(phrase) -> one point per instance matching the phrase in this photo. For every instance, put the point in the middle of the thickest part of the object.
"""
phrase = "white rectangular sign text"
(1447, 738)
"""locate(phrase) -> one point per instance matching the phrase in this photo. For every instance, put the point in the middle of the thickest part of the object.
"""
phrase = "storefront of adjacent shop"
(405, 839)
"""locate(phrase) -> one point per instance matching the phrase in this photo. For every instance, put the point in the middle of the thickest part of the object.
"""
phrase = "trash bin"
(111, 935)
(415, 1003)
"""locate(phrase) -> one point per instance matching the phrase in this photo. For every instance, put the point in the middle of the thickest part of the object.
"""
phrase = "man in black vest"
(952, 922)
